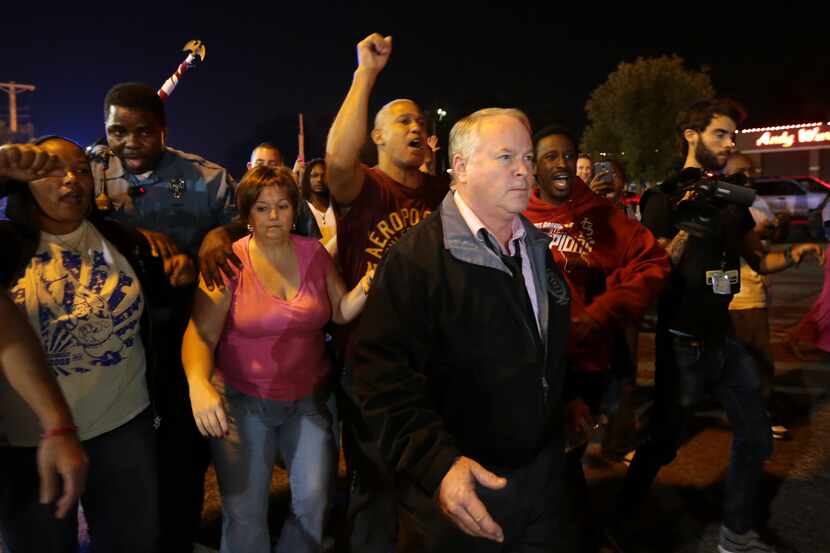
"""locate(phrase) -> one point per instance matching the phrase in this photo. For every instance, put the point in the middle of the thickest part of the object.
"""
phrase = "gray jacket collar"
(462, 245)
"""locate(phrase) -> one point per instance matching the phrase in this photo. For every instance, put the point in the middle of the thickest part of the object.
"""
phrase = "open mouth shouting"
(561, 181)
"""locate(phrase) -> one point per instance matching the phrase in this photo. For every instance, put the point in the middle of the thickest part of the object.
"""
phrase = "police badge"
(177, 188)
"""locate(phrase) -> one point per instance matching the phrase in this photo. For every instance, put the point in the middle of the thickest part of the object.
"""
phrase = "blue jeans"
(687, 369)
(244, 461)
(120, 499)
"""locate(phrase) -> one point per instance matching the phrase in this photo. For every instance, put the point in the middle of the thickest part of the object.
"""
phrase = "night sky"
(263, 67)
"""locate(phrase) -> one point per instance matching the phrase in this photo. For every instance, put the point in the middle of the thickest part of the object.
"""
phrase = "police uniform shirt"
(184, 196)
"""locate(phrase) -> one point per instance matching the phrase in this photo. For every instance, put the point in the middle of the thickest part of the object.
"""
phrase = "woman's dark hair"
(21, 211)
(260, 177)
(21, 207)
(305, 184)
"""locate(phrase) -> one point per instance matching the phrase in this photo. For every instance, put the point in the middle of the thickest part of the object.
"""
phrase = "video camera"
(701, 200)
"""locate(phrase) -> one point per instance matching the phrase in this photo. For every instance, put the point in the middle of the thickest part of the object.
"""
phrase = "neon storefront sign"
(792, 137)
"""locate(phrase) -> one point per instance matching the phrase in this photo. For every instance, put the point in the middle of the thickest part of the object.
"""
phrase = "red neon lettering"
(813, 135)
(784, 139)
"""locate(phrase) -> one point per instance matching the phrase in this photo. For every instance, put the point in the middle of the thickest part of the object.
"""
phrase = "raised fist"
(27, 162)
(373, 52)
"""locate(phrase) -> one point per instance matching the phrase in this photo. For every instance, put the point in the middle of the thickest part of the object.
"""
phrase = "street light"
(441, 114)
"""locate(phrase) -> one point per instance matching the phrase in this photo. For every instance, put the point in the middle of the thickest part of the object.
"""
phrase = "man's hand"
(160, 244)
(767, 229)
(61, 457)
(584, 328)
(27, 162)
(180, 269)
(373, 52)
(458, 500)
(799, 251)
(578, 416)
(216, 257)
(366, 280)
(580, 426)
(782, 226)
(297, 171)
(601, 187)
(432, 142)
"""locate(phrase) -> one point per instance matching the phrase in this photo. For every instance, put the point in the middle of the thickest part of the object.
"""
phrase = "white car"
(797, 196)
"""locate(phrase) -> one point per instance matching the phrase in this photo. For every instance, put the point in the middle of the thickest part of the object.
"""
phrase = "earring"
(250, 227)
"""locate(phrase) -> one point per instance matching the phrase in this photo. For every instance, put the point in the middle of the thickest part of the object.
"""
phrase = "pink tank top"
(273, 348)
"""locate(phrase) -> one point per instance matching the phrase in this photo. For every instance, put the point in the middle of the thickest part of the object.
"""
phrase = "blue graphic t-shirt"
(84, 301)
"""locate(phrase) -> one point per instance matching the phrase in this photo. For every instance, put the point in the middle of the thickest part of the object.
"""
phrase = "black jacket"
(445, 362)
(688, 303)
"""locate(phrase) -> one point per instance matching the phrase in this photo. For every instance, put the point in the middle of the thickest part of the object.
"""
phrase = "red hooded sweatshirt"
(614, 266)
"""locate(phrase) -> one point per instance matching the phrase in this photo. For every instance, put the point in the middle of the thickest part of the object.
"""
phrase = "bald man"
(378, 205)
(265, 154)
(386, 200)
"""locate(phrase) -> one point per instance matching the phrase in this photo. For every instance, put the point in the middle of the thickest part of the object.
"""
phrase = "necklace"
(72, 240)
(323, 213)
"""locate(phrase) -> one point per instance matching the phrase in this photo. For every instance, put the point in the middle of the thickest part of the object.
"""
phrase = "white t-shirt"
(327, 223)
(85, 303)
(754, 292)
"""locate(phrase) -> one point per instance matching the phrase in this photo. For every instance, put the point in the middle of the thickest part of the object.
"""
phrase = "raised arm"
(348, 132)
(27, 162)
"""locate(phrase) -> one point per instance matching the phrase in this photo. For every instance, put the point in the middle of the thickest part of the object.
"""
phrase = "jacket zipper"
(544, 379)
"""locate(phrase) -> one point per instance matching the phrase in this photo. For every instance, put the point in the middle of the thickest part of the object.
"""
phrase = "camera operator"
(705, 226)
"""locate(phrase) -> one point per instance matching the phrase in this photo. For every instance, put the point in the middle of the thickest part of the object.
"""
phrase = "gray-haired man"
(457, 367)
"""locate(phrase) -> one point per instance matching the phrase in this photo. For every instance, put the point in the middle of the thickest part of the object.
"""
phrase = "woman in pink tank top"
(256, 367)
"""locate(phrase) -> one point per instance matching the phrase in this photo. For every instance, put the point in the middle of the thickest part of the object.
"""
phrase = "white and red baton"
(195, 54)
(301, 141)
(100, 152)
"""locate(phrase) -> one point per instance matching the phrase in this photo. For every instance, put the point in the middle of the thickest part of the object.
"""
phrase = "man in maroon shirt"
(376, 206)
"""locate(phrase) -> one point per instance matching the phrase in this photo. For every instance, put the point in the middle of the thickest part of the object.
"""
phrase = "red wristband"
(59, 431)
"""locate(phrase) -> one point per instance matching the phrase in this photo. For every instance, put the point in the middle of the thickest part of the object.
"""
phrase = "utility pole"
(12, 88)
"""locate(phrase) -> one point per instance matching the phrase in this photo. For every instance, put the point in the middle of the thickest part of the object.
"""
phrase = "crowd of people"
(454, 337)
